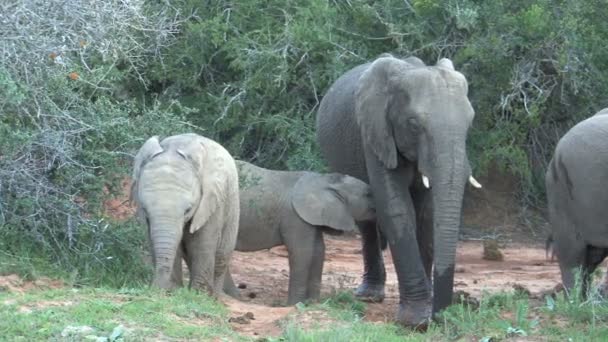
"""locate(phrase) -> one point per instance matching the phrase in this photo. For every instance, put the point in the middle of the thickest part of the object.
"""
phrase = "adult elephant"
(576, 196)
(402, 126)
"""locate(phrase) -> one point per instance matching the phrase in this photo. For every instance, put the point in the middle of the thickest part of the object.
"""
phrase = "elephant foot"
(370, 292)
(415, 314)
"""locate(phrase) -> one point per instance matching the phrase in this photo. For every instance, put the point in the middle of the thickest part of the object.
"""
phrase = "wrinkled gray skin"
(186, 191)
(576, 181)
(294, 209)
(388, 123)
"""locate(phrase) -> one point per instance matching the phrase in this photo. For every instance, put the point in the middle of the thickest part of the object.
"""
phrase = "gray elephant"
(402, 126)
(186, 191)
(576, 198)
(294, 209)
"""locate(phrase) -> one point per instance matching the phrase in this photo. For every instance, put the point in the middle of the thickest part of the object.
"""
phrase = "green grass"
(498, 317)
(143, 314)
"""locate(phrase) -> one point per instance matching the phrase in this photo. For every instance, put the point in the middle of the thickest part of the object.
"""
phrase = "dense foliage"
(83, 83)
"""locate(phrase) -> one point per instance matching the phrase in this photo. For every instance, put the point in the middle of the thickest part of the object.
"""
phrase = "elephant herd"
(393, 132)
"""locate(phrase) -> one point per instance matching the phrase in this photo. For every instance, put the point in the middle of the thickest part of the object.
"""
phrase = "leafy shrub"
(535, 68)
(83, 84)
(69, 126)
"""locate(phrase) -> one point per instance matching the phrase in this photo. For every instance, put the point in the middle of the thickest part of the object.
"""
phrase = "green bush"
(67, 131)
(255, 70)
(83, 84)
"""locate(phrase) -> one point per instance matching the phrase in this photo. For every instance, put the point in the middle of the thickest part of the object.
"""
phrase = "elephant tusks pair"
(472, 180)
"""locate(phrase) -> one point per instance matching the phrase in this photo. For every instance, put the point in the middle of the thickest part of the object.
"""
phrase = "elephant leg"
(594, 256)
(300, 241)
(200, 251)
(222, 259)
(397, 221)
(571, 254)
(177, 277)
(229, 287)
(423, 205)
(374, 273)
(316, 267)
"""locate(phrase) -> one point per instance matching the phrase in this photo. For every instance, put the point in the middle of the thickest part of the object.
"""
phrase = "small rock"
(10, 302)
(521, 289)
(491, 251)
(252, 295)
(460, 269)
(474, 281)
(242, 286)
(243, 319)
(463, 297)
(77, 331)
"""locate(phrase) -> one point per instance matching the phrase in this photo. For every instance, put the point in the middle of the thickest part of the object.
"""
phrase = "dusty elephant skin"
(402, 126)
(576, 181)
(295, 208)
(186, 191)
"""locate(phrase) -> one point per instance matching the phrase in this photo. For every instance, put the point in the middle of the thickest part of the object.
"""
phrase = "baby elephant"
(186, 191)
(294, 209)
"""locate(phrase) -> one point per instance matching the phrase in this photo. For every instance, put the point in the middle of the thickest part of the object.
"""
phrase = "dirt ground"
(265, 276)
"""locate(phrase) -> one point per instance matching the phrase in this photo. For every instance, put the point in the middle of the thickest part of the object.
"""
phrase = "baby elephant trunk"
(165, 236)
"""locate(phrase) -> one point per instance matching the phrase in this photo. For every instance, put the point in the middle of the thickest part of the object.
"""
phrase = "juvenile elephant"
(186, 191)
(402, 126)
(294, 209)
(576, 181)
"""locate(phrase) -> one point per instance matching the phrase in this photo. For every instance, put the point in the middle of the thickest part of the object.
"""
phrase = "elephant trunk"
(448, 191)
(166, 236)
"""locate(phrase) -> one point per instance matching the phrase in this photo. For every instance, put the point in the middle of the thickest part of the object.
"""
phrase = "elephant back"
(338, 134)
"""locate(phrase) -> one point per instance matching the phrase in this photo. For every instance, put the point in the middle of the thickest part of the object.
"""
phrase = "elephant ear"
(149, 150)
(317, 202)
(414, 61)
(446, 63)
(372, 101)
(216, 170)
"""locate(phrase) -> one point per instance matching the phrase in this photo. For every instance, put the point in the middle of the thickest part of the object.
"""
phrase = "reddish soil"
(266, 275)
(13, 283)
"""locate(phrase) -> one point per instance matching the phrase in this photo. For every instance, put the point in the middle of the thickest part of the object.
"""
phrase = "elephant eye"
(414, 125)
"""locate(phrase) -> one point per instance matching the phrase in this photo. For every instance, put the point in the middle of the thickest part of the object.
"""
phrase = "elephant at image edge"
(295, 208)
(575, 182)
(186, 191)
(402, 126)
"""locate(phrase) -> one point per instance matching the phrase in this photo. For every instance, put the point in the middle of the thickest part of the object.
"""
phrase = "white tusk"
(474, 182)
(425, 181)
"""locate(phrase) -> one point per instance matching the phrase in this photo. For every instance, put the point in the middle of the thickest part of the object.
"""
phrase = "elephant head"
(176, 189)
(415, 118)
(332, 200)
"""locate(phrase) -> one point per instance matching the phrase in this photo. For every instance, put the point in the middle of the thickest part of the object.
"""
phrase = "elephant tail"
(550, 247)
